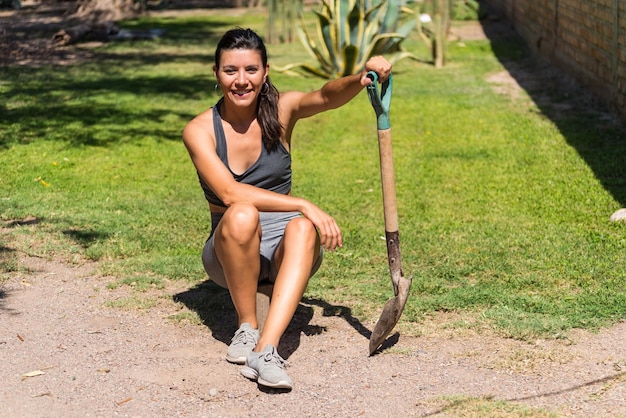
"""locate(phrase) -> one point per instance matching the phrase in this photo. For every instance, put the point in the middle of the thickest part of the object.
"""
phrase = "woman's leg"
(294, 258)
(237, 243)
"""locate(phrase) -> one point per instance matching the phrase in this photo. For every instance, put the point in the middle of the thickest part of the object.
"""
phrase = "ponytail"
(267, 114)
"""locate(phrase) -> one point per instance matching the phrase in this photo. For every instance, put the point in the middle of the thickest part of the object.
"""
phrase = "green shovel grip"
(381, 102)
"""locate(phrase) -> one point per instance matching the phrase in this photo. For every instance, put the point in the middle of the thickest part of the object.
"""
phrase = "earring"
(217, 89)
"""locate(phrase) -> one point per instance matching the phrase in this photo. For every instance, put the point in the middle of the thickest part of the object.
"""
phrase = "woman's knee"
(304, 229)
(240, 222)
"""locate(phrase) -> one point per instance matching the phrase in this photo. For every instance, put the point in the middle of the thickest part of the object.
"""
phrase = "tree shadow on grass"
(83, 237)
(216, 311)
(98, 122)
(9, 261)
(86, 238)
(583, 120)
(199, 4)
(91, 104)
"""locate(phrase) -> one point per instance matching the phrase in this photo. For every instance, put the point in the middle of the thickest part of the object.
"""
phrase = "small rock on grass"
(620, 215)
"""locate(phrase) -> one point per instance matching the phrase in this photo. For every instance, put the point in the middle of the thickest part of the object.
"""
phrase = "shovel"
(401, 285)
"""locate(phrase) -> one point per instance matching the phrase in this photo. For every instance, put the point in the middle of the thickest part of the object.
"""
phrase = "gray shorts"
(273, 229)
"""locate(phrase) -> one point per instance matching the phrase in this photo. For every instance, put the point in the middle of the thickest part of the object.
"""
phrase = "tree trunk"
(92, 31)
(442, 28)
(248, 3)
(108, 10)
(95, 20)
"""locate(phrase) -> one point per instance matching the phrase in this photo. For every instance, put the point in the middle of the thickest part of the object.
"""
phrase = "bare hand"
(380, 66)
(330, 234)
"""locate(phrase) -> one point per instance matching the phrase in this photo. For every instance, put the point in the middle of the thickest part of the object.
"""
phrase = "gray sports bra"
(272, 170)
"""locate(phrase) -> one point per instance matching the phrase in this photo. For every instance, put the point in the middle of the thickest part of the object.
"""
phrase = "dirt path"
(64, 351)
(94, 360)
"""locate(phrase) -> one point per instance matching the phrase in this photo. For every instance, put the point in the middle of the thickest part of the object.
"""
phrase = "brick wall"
(585, 38)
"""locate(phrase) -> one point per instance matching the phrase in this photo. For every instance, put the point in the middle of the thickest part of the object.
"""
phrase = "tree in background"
(95, 19)
(281, 21)
(435, 18)
(434, 27)
(247, 3)
(108, 10)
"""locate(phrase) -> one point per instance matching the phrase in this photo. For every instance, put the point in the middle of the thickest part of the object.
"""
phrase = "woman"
(240, 148)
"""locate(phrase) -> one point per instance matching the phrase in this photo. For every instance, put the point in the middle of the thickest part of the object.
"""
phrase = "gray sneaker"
(242, 343)
(267, 368)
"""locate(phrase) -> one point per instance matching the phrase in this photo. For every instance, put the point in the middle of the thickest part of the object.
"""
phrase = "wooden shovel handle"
(388, 182)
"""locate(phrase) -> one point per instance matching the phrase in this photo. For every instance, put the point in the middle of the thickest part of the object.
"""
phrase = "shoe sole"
(236, 360)
(252, 374)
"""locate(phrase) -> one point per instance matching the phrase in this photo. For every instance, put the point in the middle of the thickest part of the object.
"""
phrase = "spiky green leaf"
(350, 57)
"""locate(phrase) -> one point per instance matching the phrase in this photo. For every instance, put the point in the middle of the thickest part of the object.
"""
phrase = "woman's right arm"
(201, 147)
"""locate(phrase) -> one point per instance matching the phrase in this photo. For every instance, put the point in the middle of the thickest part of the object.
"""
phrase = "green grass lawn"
(503, 206)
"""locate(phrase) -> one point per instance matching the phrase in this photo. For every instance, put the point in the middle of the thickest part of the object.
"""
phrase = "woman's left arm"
(334, 93)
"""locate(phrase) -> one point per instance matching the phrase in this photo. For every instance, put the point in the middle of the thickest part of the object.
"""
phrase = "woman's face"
(241, 75)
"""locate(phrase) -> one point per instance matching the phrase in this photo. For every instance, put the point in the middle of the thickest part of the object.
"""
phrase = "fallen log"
(85, 31)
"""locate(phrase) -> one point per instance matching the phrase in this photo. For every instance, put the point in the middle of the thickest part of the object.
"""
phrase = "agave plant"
(393, 21)
(351, 31)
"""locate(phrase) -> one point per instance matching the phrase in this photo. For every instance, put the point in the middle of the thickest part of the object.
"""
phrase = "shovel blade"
(390, 315)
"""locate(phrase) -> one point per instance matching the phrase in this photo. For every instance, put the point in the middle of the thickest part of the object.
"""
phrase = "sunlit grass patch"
(464, 407)
(139, 283)
(133, 303)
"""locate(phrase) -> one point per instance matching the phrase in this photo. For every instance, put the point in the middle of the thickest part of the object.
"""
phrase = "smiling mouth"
(241, 93)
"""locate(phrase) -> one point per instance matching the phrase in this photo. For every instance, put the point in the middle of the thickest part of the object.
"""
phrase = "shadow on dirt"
(9, 262)
(3, 296)
(213, 305)
(457, 405)
(583, 120)
(606, 381)
(8, 259)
